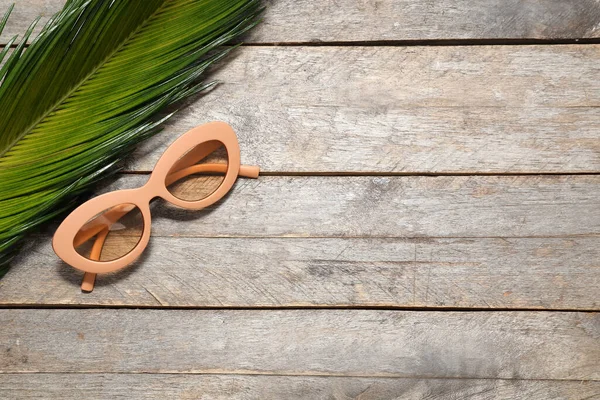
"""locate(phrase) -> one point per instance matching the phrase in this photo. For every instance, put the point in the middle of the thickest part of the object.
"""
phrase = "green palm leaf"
(90, 86)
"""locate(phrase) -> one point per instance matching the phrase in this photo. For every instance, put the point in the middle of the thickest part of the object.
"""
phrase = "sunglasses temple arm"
(247, 171)
(201, 152)
(89, 278)
(196, 155)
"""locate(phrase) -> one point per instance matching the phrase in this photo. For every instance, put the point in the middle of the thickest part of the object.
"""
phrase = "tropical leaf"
(95, 82)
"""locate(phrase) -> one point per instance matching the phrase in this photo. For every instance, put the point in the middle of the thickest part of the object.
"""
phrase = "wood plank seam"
(426, 42)
(278, 374)
(50, 306)
(376, 173)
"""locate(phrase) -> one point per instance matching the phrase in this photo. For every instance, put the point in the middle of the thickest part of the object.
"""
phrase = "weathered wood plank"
(393, 206)
(298, 272)
(352, 20)
(366, 20)
(519, 109)
(507, 345)
(245, 387)
(24, 13)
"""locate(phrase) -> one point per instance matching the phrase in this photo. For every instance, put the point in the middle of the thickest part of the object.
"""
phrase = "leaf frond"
(92, 84)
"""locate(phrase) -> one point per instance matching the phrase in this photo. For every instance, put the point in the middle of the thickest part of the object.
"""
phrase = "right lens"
(199, 172)
(111, 234)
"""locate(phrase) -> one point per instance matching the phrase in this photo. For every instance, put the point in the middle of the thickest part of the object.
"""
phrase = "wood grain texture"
(376, 20)
(298, 272)
(508, 242)
(24, 13)
(506, 345)
(391, 206)
(478, 109)
(363, 20)
(245, 387)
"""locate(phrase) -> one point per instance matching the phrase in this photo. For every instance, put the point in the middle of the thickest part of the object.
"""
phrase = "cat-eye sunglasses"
(112, 230)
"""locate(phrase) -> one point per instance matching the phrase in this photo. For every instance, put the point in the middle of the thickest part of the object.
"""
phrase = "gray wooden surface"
(516, 273)
(506, 345)
(457, 109)
(389, 206)
(263, 387)
(481, 283)
(377, 20)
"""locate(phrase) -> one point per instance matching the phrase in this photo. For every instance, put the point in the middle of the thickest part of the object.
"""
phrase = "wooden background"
(427, 226)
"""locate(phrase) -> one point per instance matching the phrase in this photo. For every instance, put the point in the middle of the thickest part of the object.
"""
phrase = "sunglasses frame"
(179, 156)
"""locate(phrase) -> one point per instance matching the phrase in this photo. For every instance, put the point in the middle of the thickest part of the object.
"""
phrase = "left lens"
(111, 234)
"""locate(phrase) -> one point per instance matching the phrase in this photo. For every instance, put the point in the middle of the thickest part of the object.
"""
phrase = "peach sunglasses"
(96, 217)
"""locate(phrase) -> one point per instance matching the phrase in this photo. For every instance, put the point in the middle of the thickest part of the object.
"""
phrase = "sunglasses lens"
(110, 234)
(199, 172)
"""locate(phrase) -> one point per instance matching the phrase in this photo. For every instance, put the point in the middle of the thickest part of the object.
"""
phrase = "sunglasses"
(111, 231)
